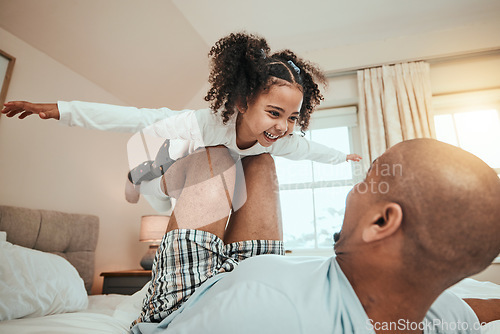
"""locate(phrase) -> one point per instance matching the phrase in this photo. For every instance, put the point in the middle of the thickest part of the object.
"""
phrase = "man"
(425, 217)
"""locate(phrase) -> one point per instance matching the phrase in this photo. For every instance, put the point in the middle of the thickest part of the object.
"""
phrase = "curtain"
(394, 105)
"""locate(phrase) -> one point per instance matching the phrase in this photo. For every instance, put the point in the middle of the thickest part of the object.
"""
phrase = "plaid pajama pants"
(187, 258)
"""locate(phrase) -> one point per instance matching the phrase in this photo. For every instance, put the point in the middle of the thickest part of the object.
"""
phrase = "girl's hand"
(44, 110)
(353, 157)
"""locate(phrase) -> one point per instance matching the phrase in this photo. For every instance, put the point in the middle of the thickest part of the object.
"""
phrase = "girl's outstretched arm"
(25, 109)
(107, 117)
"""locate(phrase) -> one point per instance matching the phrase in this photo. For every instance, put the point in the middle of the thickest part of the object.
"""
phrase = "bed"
(57, 258)
(56, 251)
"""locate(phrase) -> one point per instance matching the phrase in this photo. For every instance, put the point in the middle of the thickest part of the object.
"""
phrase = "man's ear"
(384, 224)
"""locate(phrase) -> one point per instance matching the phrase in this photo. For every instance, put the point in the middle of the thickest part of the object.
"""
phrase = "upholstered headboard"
(73, 236)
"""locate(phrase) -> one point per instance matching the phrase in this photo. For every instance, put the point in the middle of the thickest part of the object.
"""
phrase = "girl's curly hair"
(241, 68)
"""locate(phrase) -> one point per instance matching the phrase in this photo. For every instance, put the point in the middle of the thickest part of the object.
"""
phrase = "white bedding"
(35, 283)
(115, 313)
(104, 314)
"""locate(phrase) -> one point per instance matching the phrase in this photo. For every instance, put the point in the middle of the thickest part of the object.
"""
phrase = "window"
(471, 121)
(313, 194)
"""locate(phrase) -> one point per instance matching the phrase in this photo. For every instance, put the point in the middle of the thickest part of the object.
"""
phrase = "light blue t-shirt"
(281, 294)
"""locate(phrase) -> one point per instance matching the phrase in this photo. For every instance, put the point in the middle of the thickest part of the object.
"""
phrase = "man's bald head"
(451, 205)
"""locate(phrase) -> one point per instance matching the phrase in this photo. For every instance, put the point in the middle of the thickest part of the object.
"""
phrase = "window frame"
(345, 116)
(458, 102)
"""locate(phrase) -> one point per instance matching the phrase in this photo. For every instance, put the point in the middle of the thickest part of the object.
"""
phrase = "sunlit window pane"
(291, 171)
(333, 137)
(337, 138)
(479, 133)
(298, 218)
(312, 210)
(330, 207)
(445, 129)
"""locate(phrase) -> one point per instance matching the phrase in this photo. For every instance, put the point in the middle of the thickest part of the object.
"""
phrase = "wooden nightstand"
(125, 282)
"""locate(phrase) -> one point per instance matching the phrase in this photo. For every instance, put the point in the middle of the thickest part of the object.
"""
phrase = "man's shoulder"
(280, 262)
(282, 273)
(245, 307)
(450, 314)
(290, 294)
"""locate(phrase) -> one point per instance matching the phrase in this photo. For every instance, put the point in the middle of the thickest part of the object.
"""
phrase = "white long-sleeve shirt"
(199, 127)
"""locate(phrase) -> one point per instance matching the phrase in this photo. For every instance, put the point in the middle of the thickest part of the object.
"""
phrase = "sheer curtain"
(394, 105)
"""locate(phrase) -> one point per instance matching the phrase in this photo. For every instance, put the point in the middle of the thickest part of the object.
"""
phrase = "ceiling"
(154, 52)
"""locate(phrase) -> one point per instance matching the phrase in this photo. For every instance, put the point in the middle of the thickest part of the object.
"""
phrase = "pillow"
(34, 284)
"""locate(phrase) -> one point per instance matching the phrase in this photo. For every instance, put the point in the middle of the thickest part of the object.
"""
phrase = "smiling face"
(269, 117)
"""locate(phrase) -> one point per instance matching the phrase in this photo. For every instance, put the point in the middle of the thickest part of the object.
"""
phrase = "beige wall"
(44, 165)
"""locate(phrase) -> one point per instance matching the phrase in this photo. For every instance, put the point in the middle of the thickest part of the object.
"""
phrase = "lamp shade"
(153, 228)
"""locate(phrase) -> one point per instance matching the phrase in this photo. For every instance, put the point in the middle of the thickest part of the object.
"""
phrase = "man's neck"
(389, 298)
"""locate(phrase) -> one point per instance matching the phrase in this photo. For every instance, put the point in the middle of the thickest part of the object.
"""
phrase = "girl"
(256, 100)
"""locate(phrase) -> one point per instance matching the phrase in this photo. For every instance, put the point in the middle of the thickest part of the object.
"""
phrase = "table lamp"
(152, 230)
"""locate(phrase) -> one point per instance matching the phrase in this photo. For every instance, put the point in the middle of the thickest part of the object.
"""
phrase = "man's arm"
(486, 309)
